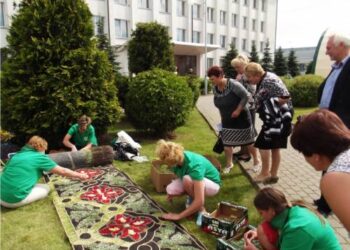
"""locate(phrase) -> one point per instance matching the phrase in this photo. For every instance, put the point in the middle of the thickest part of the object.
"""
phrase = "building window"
(246, 2)
(210, 38)
(262, 24)
(244, 22)
(222, 17)
(196, 37)
(261, 46)
(210, 15)
(124, 2)
(181, 35)
(144, 4)
(254, 4)
(244, 44)
(210, 62)
(234, 20)
(180, 9)
(196, 11)
(234, 41)
(121, 28)
(263, 5)
(253, 24)
(98, 25)
(2, 16)
(222, 41)
(164, 6)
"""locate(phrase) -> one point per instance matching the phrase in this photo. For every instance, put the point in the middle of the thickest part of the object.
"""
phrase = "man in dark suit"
(334, 92)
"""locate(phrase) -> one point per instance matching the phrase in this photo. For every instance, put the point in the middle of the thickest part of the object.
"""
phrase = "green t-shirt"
(82, 139)
(22, 172)
(198, 167)
(301, 229)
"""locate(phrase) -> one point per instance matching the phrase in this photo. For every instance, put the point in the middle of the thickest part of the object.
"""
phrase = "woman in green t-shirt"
(19, 179)
(197, 177)
(82, 133)
(299, 228)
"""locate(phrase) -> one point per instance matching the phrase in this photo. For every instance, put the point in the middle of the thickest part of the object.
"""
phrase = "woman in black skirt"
(230, 97)
(274, 107)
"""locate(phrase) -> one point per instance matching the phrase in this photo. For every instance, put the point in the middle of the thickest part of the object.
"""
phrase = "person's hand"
(250, 235)
(171, 216)
(235, 113)
(83, 176)
(74, 149)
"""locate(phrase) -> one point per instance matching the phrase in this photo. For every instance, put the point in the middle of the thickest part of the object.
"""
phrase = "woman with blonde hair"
(239, 63)
(19, 179)
(273, 103)
(197, 177)
(289, 225)
(82, 133)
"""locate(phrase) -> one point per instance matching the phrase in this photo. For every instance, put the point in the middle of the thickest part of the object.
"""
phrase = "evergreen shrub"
(194, 83)
(304, 90)
(158, 101)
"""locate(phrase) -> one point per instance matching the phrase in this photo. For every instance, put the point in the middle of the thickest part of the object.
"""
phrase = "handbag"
(219, 146)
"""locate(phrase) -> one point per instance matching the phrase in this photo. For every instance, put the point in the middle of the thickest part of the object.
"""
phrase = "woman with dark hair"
(324, 140)
(82, 134)
(299, 227)
(230, 97)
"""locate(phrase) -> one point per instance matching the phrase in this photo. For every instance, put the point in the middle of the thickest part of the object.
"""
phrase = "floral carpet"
(109, 211)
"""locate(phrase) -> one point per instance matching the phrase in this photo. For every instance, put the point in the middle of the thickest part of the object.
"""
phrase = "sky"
(300, 23)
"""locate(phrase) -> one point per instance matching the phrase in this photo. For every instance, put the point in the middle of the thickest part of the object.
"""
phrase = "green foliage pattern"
(158, 100)
(303, 90)
(150, 47)
(54, 72)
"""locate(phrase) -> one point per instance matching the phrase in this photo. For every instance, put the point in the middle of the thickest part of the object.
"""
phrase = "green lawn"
(37, 226)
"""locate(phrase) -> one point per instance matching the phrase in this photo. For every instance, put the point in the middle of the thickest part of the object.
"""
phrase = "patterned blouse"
(270, 86)
(341, 163)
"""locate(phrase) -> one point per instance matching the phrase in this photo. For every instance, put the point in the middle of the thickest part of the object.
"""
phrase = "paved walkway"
(297, 179)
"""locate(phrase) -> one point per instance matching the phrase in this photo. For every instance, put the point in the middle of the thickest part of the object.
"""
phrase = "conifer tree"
(280, 64)
(310, 69)
(150, 47)
(266, 61)
(54, 72)
(293, 66)
(229, 71)
(104, 44)
(254, 56)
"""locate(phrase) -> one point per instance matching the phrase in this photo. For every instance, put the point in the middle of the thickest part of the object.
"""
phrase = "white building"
(196, 26)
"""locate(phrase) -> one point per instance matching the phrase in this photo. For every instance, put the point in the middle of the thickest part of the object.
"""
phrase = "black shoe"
(238, 154)
(244, 157)
(324, 212)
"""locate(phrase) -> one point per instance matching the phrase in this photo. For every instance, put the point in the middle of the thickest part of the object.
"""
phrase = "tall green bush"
(158, 101)
(304, 90)
(150, 47)
(54, 72)
(229, 71)
(194, 83)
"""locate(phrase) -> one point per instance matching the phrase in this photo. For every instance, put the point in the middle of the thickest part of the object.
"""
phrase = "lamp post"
(205, 49)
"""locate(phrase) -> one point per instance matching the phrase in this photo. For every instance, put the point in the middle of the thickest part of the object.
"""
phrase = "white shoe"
(256, 168)
(227, 169)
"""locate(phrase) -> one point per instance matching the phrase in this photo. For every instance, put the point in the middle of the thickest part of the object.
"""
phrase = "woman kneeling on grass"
(197, 177)
(299, 227)
(19, 179)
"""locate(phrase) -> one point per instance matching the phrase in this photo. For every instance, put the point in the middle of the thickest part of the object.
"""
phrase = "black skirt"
(275, 142)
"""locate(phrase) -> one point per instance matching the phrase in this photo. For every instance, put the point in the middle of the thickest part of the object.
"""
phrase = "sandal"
(260, 178)
(256, 168)
(271, 180)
